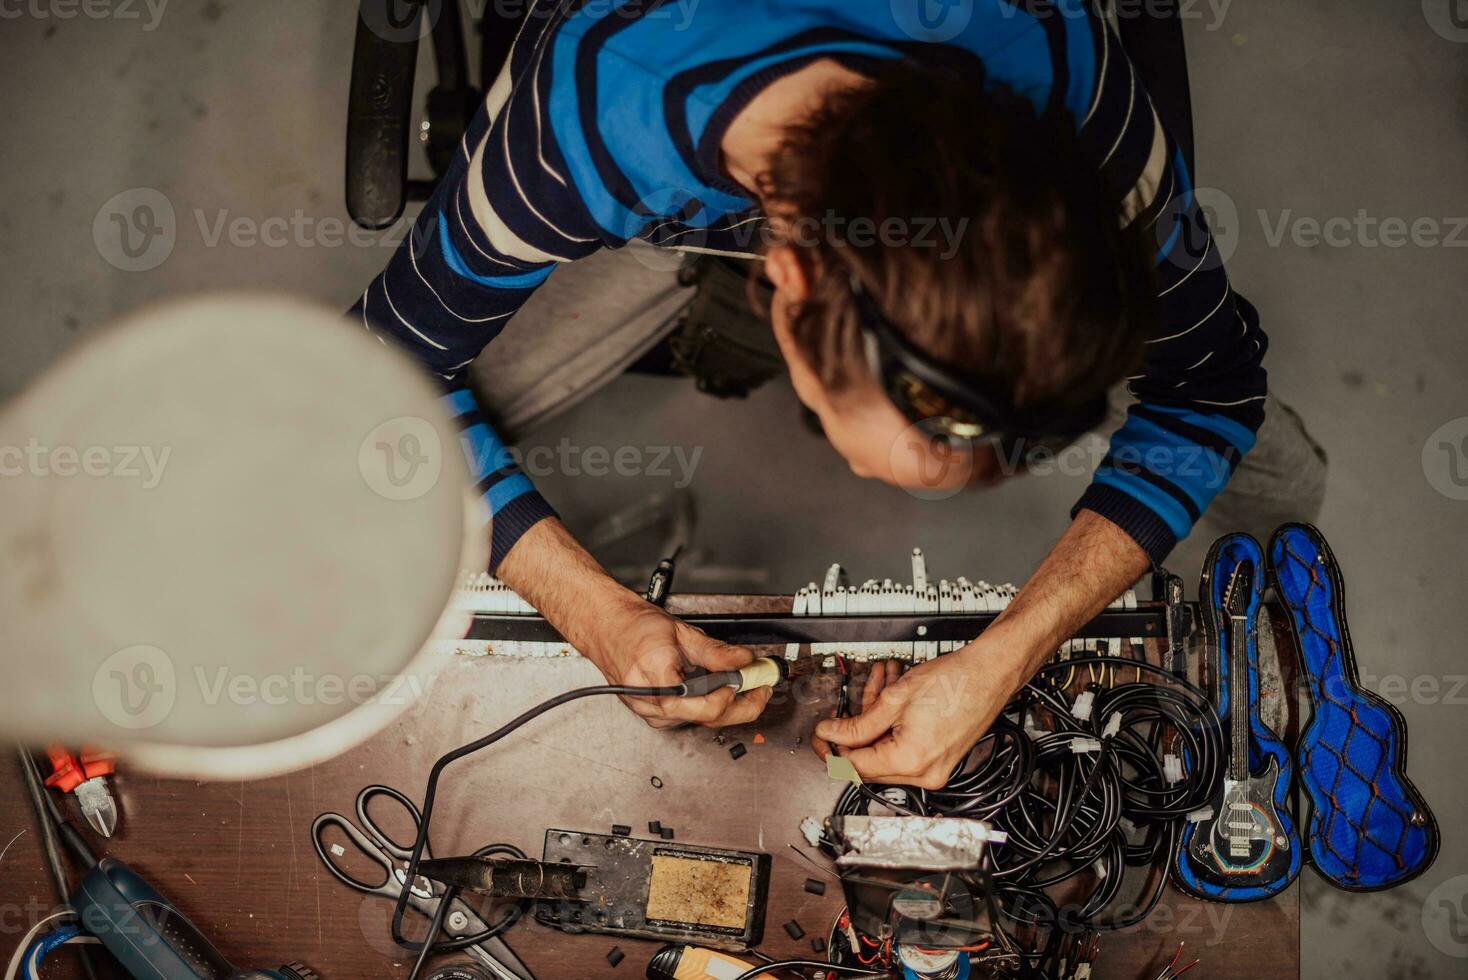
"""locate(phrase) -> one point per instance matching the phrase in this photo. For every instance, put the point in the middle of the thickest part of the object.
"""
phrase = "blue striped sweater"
(605, 125)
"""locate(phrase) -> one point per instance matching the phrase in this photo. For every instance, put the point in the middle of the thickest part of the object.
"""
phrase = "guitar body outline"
(1263, 854)
(1267, 775)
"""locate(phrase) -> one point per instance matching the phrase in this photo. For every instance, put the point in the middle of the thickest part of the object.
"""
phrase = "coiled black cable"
(1066, 812)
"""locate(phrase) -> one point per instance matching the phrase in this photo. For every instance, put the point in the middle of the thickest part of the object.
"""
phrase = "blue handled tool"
(149, 936)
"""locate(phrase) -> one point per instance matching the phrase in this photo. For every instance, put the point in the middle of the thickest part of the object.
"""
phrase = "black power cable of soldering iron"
(831, 969)
(430, 943)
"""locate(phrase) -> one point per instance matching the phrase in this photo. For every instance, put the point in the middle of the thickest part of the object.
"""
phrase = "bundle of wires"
(25, 963)
(1064, 811)
(1083, 790)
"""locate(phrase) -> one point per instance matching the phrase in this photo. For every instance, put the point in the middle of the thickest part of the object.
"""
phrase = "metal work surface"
(237, 857)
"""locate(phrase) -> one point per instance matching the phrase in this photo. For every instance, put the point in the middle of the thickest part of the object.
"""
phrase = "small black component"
(621, 830)
(815, 886)
(667, 833)
(818, 944)
(615, 955)
(661, 582)
(793, 930)
(737, 750)
(654, 827)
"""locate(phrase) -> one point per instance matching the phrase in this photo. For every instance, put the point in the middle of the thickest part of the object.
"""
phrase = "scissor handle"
(388, 887)
(396, 848)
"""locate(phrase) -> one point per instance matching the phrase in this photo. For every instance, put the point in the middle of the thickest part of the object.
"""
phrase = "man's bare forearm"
(1093, 563)
(550, 569)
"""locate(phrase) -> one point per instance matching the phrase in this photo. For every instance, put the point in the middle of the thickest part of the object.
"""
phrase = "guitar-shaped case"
(1264, 746)
(1369, 828)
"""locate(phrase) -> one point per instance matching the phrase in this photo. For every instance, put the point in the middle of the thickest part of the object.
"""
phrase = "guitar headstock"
(1240, 587)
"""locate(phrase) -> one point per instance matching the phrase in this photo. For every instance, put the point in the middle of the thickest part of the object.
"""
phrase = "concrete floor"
(1313, 109)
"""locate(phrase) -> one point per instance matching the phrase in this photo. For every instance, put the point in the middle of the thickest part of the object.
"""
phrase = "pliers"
(85, 778)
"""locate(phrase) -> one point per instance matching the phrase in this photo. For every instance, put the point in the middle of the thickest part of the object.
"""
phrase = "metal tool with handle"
(494, 954)
(150, 936)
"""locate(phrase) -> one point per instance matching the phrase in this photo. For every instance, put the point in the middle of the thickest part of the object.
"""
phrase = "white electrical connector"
(1198, 816)
(1082, 708)
(1084, 746)
(1113, 726)
(811, 830)
(1172, 769)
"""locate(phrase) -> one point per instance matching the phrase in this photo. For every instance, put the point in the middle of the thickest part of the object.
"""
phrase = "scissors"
(494, 954)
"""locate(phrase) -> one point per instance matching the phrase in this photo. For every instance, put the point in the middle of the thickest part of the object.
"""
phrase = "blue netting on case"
(1370, 828)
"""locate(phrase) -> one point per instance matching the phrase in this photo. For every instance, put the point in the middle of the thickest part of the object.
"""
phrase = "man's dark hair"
(1044, 299)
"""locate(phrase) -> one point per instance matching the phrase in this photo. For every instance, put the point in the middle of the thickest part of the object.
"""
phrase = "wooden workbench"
(237, 857)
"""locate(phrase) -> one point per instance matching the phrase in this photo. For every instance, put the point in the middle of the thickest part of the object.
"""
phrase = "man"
(768, 126)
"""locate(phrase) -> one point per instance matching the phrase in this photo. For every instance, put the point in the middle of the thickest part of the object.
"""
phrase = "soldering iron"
(763, 672)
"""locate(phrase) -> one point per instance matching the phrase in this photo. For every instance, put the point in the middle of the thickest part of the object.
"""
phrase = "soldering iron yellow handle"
(698, 963)
(764, 672)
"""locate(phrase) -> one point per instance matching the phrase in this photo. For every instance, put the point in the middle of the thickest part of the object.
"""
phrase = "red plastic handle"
(66, 772)
(96, 762)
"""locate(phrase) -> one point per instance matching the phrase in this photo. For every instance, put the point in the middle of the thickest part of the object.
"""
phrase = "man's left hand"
(920, 726)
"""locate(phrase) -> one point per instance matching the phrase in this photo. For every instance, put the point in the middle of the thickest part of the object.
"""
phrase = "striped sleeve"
(1200, 398)
(494, 229)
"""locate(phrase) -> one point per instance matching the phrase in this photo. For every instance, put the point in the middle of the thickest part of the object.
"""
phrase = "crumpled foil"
(931, 843)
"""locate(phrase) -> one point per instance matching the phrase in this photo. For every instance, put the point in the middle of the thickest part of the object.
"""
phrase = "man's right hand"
(631, 641)
(646, 647)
